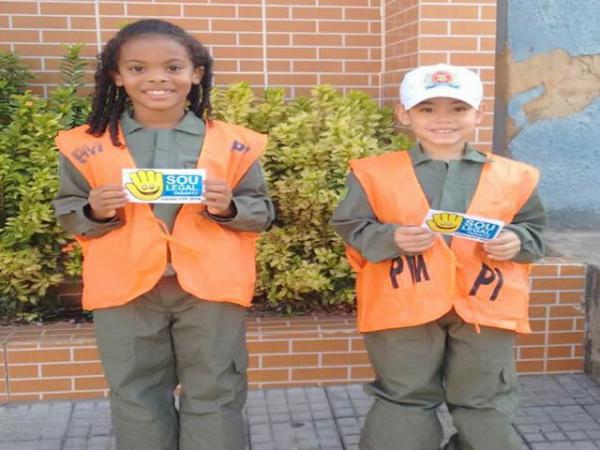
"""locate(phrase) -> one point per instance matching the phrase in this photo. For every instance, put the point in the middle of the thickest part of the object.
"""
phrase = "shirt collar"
(190, 124)
(418, 156)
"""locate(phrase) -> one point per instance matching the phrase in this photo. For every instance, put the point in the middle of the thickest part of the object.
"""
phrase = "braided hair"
(110, 100)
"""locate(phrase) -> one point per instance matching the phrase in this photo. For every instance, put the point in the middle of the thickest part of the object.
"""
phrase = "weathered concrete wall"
(548, 109)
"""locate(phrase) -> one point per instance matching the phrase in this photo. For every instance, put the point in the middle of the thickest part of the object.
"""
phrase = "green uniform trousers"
(164, 338)
(418, 368)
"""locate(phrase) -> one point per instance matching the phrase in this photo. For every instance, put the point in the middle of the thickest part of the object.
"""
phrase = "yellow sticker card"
(463, 225)
(164, 185)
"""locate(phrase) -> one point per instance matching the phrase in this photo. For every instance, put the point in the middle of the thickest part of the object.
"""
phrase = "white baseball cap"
(441, 80)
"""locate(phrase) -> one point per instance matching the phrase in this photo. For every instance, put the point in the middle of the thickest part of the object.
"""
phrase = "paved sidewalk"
(557, 412)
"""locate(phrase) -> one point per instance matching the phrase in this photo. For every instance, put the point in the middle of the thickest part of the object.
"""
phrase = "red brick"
(247, 38)
(530, 339)
(290, 360)
(361, 373)
(343, 27)
(473, 59)
(549, 284)
(433, 27)
(291, 53)
(24, 397)
(111, 9)
(447, 12)
(236, 25)
(67, 370)
(20, 36)
(84, 23)
(148, 9)
(344, 359)
(576, 297)
(68, 36)
(268, 347)
(561, 325)
(90, 383)
(44, 385)
(319, 13)
(206, 11)
(572, 269)
(544, 270)
(543, 297)
(278, 12)
(531, 352)
(320, 374)
(564, 365)
(320, 40)
(36, 22)
(362, 14)
(67, 9)
(530, 366)
(256, 376)
(23, 371)
(565, 338)
(86, 354)
(74, 395)
(10, 7)
(317, 66)
(323, 345)
(472, 27)
(560, 352)
(565, 311)
(38, 356)
(439, 43)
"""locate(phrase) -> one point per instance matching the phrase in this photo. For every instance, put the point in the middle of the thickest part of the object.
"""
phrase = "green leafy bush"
(31, 258)
(300, 259)
(14, 76)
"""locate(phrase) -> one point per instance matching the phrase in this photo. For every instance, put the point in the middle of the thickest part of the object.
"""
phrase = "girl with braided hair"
(168, 283)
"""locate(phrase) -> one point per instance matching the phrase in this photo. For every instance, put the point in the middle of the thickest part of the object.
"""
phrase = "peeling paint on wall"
(570, 84)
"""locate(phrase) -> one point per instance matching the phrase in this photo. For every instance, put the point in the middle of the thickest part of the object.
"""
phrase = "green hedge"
(300, 259)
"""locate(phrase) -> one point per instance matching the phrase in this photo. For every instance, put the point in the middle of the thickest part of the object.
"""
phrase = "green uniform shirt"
(176, 148)
(448, 186)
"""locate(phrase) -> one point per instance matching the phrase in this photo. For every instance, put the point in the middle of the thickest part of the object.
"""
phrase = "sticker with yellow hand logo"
(463, 225)
(164, 185)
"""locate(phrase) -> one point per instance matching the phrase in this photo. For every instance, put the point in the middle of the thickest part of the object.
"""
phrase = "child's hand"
(217, 198)
(105, 200)
(413, 239)
(505, 247)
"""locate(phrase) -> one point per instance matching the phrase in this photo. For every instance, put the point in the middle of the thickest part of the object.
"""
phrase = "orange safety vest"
(212, 262)
(416, 289)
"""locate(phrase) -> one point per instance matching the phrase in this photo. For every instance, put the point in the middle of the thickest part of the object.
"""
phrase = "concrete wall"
(548, 110)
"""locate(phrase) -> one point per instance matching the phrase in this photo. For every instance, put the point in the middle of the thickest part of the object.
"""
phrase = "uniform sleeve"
(355, 221)
(254, 209)
(71, 204)
(528, 224)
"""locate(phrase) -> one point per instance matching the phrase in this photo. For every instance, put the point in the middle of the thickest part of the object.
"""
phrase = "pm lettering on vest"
(83, 153)
(416, 267)
(488, 276)
(237, 146)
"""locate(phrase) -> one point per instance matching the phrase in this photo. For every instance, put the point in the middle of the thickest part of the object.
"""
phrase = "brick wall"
(352, 44)
(61, 361)
(294, 44)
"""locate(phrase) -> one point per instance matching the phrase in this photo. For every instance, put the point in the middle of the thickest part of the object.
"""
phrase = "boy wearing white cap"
(439, 313)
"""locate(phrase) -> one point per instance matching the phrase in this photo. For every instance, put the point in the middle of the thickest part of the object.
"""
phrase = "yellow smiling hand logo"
(445, 222)
(146, 185)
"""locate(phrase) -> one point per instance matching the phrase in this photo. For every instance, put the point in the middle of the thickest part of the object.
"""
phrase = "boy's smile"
(442, 125)
(157, 74)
